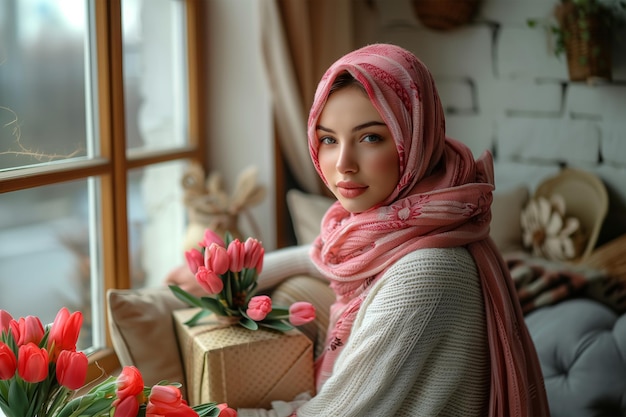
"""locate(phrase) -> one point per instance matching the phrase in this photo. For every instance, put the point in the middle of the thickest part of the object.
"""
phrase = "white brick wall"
(504, 90)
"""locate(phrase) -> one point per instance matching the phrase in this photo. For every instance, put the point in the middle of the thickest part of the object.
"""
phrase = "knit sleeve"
(417, 344)
(283, 263)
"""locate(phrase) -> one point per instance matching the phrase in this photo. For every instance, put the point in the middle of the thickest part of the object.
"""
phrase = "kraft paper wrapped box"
(241, 367)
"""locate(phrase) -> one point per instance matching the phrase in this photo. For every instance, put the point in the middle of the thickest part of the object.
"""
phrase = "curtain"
(300, 39)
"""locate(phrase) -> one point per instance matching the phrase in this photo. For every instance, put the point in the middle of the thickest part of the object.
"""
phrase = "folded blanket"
(540, 282)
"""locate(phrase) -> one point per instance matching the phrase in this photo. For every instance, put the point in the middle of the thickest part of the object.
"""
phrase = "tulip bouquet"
(40, 370)
(227, 269)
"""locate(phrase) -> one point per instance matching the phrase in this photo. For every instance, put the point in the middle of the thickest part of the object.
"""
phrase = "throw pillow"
(142, 332)
(306, 211)
(506, 208)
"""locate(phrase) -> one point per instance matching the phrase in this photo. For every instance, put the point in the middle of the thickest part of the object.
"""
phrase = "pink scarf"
(443, 199)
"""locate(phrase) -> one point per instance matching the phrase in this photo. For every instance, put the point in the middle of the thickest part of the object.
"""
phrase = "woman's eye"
(372, 138)
(327, 140)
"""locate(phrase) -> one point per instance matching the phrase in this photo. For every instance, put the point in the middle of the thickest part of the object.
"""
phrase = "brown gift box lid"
(241, 367)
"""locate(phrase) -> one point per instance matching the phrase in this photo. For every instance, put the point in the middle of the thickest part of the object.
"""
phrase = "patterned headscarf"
(442, 199)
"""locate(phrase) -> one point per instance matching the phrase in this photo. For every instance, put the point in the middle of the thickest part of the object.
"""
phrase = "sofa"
(576, 320)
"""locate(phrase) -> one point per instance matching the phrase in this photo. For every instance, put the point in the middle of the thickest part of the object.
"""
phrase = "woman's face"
(357, 154)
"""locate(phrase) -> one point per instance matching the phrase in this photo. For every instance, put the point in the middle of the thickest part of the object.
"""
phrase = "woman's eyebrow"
(355, 129)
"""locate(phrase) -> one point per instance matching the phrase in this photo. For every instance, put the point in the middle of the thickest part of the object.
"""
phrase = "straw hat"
(586, 199)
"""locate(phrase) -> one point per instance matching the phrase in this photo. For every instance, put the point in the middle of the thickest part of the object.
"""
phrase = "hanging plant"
(584, 31)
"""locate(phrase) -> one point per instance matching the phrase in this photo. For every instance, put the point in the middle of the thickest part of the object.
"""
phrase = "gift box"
(226, 363)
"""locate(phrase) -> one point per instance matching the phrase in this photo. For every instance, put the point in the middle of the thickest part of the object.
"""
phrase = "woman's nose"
(346, 160)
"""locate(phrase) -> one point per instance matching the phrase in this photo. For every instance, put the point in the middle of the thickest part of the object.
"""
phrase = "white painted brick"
(603, 102)
(526, 53)
(395, 13)
(465, 52)
(475, 132)
(510, 174)
(519, 97)
(549, 140)
(516, 12)
(614, 144)
(457, 95)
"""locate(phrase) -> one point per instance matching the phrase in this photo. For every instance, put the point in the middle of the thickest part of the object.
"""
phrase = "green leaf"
(281, 325)
(207, 410)
(185, 296)
(18, 400)
(278, 312)
(249, 276)
(211, 304)
(228, 290)
(200, 314)
(248, 323)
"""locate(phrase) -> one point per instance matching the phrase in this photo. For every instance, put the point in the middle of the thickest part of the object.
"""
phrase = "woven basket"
(445, 14)
(588, 54)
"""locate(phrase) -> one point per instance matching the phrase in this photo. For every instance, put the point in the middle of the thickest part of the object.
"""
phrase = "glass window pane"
(45, 262)
(43, 44)
(155, 68)
(156, 222)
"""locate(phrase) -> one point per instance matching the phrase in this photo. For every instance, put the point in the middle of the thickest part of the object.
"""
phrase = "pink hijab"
(442, 200)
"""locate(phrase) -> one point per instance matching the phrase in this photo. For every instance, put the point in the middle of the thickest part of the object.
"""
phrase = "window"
(99, 115)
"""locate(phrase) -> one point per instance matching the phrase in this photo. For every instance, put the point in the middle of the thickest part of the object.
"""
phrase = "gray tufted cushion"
(582, 349)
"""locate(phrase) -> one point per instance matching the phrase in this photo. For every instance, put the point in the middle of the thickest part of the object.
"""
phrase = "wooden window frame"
(114, 163)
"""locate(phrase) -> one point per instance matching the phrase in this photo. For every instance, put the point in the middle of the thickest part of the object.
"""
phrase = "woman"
(425, 321)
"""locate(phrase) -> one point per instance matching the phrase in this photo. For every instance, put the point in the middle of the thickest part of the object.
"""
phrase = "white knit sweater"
(418, 346)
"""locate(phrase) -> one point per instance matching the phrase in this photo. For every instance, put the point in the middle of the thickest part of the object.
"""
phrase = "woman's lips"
(350, 190)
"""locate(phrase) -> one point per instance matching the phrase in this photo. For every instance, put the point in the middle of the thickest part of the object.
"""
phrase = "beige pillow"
(306, 212)
(506, 210)
(142, 332)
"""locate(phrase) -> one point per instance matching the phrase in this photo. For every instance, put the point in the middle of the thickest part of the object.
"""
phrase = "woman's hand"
(185, 279)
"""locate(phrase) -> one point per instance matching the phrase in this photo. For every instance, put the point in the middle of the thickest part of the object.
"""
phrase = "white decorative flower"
(547, 231)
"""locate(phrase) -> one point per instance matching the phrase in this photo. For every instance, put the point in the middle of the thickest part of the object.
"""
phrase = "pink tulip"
(254, 254)
(236, 254)
(5, 319)
(64, 332)
(32, 363)
(259, 307)
(209, 280)
(216, 259)
(8, 362)
(30, 329)
(167, 401)
(71, 369)
(226, 411)
(301, 313)
(211, 237)
(194, 259)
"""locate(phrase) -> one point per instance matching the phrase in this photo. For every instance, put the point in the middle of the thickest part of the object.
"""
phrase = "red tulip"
(71, 369)
(29, 330)
(64, 332)
(5, 319)
(254, 254)
(209, 280)
(259, 307)
(32, 363)
(301, 313)
(211, 237)
(226, 411)
(128, 407)
(8, 362)
(236, 254)
(129, 383)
